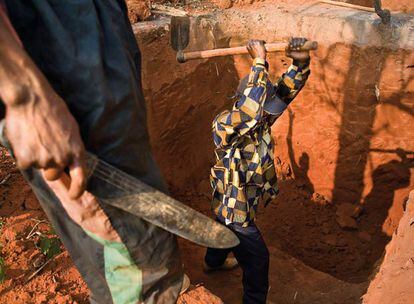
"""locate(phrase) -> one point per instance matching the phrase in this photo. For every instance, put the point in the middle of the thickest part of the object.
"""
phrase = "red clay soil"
(199, 295)
(342, 190)
(394, 280)
(138, 10)
(392, 5)
(21, 223)
(302, 221)
(302, 228)
(59, 282)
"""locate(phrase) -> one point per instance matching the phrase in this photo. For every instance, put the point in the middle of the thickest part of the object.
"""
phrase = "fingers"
(256, 48)
(23, 161)
(77, 172)
(52, 166)
(53, 170)
(75, 182)
(295, 44)
(249, 46)
(255, 42)
(294, 49)
(53, 174)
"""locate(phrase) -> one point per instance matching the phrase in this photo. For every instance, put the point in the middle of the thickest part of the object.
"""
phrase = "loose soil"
(59, 282)
(22, 222)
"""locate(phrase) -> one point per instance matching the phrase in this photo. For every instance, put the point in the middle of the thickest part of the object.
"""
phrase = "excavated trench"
(344, 155)
(344, 150)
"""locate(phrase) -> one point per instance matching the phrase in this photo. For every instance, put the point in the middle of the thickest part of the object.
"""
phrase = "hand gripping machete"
(140, 199)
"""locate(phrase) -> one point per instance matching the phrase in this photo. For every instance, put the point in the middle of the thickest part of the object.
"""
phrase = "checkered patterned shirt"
(244, 173)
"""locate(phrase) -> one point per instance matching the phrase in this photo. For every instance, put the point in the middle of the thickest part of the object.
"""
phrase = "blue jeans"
(253, 258)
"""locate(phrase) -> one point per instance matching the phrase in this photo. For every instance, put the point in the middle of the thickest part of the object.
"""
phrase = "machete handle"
(240, 50)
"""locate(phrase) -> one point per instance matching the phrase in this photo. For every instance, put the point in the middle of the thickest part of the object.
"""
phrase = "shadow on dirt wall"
(184, 148)
(307, 226)
(301, 222)
(355, 135)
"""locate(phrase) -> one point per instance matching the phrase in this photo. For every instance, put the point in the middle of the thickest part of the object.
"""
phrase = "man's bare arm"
(39, 126)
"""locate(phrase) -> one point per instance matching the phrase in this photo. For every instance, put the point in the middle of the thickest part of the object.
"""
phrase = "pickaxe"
(180, 29)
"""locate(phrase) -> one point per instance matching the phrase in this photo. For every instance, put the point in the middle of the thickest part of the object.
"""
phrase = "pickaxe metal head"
(180, 33)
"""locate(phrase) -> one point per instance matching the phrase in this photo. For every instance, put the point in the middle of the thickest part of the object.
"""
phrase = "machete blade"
(140, 199)
(160, 209)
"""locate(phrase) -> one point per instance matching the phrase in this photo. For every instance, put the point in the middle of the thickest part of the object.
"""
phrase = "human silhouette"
(387, 179)
(300, 171)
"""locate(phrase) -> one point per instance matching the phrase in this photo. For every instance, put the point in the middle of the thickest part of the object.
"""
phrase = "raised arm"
(39, 126)
(248, 110)
(289, 85)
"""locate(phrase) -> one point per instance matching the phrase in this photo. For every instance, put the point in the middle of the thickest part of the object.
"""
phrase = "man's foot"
(229, 264)
(186, 284)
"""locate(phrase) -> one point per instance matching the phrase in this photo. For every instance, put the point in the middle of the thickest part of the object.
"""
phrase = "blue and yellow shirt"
(244, 173)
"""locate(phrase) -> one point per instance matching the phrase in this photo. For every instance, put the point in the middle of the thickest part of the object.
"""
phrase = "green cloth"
(123, 276)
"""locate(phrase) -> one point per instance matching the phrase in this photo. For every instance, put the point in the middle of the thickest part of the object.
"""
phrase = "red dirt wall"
(328, 143)
(138, 10)
(396, 273)
(182, 101)
(346, 138)
(357, 102)
(339, 122)
(399, 5)
(392, 5)
(325, 145)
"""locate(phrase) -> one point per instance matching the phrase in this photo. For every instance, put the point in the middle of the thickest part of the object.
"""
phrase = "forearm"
(19, 76)
(41, 130)
(291, 83)
(255, 91)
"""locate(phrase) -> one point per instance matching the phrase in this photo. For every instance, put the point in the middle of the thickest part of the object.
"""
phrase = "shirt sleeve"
(247, 111)
(289, 85)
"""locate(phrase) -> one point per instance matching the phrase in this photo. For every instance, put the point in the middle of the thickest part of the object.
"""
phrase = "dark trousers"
(253, 258)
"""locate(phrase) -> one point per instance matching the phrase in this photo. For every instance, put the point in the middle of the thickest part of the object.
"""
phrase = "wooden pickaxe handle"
(270, 47)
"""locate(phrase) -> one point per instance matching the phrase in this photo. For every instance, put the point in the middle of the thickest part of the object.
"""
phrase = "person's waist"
(235, 216)
(234, 224)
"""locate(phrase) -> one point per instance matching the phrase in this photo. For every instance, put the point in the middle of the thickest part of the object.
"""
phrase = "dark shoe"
(229, 264)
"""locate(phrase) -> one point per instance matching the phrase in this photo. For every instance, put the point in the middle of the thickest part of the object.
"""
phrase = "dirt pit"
(344, 154)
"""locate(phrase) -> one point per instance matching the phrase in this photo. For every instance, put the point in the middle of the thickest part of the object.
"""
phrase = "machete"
(136, 197)
(160, 209)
